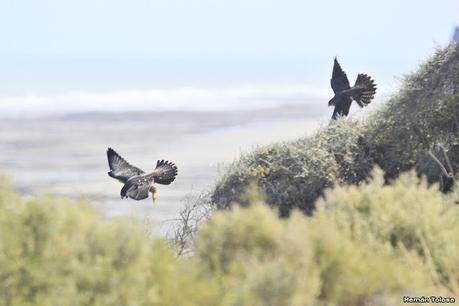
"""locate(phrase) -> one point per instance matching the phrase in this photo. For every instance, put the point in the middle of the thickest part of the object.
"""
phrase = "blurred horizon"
(150, 55)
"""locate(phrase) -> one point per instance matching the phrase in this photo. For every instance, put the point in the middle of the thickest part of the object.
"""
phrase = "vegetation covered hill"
(422, 117)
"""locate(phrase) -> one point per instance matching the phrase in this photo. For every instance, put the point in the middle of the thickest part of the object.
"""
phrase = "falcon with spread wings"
(362, 92)
(136, 182)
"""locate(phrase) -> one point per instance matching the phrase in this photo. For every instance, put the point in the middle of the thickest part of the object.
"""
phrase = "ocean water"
(160, 99)
(65, 154)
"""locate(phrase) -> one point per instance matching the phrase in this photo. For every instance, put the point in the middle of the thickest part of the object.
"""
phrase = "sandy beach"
(66, 155)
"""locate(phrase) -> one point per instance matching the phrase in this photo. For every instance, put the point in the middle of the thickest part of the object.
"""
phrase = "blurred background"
(196, 82)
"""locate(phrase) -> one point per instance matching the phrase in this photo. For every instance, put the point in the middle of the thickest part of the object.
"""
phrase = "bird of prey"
(136, 182)
(362, 92)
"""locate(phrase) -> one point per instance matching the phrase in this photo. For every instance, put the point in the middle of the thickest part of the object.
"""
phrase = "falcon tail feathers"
(364, 90)
(165, 172)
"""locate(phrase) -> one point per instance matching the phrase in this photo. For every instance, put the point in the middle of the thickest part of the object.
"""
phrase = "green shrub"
(257, 259)
(262, 260)
(295, 174)
(55, 253)
(423, 113)
(366, 245)
(404, 218)
(397, 137)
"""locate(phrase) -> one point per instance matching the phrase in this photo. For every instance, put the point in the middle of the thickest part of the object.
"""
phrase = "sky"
(55, 47)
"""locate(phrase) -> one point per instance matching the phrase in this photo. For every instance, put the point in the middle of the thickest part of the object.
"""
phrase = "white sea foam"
(161, 99)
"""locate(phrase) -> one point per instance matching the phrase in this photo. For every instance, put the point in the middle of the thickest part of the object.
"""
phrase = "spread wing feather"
(339, 80)
(165, 172)
(120, 169)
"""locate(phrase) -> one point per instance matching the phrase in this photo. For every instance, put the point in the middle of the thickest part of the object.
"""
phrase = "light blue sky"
(56, 45)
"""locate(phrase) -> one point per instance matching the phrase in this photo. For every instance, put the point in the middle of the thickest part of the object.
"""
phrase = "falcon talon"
(362, 92)
(138, 183)
(153, 191)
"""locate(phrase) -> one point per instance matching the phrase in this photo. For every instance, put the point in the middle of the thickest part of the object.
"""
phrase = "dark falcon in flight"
(362, 92)
(136, 182)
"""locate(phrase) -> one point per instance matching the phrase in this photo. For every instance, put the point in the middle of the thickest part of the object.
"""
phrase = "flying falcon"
(136, 182)
(362, 92)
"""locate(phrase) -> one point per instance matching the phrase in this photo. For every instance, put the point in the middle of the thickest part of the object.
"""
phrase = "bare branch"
(194, 212)
(439, 163)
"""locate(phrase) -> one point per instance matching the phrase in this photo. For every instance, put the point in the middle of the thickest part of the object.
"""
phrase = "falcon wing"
(119, 168)
(339, 81)
(165, 172)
